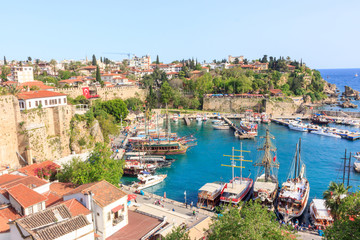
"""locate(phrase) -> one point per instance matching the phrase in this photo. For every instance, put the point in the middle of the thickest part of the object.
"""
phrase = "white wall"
(83, 233)
(31, 103)
(14, 232)
(43, 188)
(15, 204)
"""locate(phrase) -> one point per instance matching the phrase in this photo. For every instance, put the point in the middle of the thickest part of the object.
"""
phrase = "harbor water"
(202, 163)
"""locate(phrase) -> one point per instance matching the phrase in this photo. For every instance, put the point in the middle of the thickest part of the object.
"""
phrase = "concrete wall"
(105, 93)
(340, 113)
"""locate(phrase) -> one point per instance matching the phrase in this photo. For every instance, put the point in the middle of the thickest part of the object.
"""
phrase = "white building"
(22, 74)
(108, 204)
(140, 62)
(232, 59)
(45, 99)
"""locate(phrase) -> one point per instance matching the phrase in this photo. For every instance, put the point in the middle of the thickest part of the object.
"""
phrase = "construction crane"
(128, 54)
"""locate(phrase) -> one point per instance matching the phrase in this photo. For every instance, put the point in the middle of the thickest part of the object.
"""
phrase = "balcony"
(118, 220)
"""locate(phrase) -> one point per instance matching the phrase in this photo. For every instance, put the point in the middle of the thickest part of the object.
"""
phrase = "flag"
(274, 158)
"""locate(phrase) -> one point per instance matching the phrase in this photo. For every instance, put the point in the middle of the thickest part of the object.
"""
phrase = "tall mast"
(241, 158)
(296, 159)
(233, 164)
(299, 156)
(344, 168)
(266, 161)
(348, 181)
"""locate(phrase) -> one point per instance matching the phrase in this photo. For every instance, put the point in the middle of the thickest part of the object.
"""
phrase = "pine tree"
(5, 62)
(101, 60)
(98, 76)
(93, 60)
(157, 59)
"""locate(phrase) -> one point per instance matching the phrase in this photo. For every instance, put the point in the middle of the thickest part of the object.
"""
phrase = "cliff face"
(83, 136)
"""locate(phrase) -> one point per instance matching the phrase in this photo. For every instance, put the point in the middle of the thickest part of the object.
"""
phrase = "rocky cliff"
(84, 135)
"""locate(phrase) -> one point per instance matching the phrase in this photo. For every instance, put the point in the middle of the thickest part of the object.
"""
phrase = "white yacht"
(357, 162)
(323, 132)
(148, 180)
(298, 126)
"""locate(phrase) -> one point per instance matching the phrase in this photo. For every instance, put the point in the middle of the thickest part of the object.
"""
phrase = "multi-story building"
(140, 62)
(45, 99)
(22, 74)
(232, 59)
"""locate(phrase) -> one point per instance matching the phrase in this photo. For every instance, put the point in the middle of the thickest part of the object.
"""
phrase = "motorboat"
(220, 126)
(298, 126)
(199, 118)
(326, 133)
(320, 214)
(175, 118)
(357, 162)
(205, 118)
(148, 180)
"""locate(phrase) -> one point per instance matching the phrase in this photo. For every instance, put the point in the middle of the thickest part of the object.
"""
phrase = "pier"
(187, 121)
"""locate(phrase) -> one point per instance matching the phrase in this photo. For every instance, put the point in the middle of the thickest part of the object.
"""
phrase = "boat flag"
(274, 158)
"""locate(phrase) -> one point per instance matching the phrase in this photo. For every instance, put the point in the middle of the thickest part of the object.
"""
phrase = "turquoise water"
(202, 163)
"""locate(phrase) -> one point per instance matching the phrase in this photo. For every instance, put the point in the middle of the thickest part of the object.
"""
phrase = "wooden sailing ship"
(209, 195)
(266, 183)
(294, 193)
(239, 188)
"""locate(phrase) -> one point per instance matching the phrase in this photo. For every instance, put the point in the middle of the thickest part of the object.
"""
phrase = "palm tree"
(12, 89)
(53, 64)
(333, 196)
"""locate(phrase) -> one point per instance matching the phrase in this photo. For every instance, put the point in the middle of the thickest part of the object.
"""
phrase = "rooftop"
(38, 94)
(104, 192)
(31, 170)
(6, 215)
(25, 196)
(75, 207)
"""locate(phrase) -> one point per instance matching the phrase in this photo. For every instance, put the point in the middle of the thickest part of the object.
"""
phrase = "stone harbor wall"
(37, 134)
(231, 104)
(105, 93)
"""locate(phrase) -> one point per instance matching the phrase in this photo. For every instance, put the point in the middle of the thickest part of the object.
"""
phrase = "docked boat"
(239, 188)
(209, 195)
(320, 119)
(265, 118)
(357, 162)
(294, 193)
(320, 215)
(266, 184)
(134, 167)
(221, 126)
(298, 126)
(323, 132)
(175, 118)
(248, 127)
(243, 135)
(205, 118)
(148, 180)
(199, 118)
(162, 147)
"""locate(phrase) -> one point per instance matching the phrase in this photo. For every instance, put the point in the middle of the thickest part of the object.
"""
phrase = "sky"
(324, 34)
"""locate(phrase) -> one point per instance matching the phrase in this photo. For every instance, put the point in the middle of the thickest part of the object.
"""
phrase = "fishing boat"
(239, 188)
(320, 119)
(248, 127)
(297, 126)
(265, 118)
(323, 132)
(266, 184)
(320, 214)
(209, 195)
(135, 167)
(162, 147)
(294, 193)
(148, 180)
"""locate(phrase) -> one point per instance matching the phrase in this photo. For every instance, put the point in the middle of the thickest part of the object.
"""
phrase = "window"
(29, 104)
(64, 100)
(30, 210)
(59, 100)
(81, 200)
(45, 102)
(39, 206)
(36, 103)
(55, 101)
(98, 214)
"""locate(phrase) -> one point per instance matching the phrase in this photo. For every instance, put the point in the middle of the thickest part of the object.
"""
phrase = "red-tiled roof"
(25, 196)
(75, 207)
(6, 215)
(60, 188)
(104, 192)
(52, 198)
(275, 91)
(39, 84)
(29, 181)
(6, 178)
(38, 94)
(89, 67)
(71, 81)
(31, 170)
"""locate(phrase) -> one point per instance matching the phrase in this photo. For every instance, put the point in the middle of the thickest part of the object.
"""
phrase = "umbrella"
(131, 197)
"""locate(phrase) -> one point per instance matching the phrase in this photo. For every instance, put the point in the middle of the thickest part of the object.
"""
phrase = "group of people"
(302, 226)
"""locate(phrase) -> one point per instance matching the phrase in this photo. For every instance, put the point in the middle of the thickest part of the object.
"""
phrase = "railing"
(117, 220)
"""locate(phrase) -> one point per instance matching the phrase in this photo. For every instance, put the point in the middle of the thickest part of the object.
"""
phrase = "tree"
(253, 222)
(264, 59)
(333, 197)
(98, 76)
(347, 226)
(178, 233)
(134, 103)
(99, 166)
(5, 62)
(166, 92)
(236, 61)
(116, 107)
(157, 59)
(4, 72)
(53, 64)
(94, 63)
(29, 59)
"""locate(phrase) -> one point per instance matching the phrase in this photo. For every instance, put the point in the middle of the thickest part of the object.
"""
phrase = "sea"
(201, 164)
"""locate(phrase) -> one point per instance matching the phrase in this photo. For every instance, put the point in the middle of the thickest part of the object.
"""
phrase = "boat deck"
(270, 186)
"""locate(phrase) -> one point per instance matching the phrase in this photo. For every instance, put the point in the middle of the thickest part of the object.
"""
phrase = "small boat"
(325, 133)
(320, 214)
(209, 195)
(135, 167)
(298, 126)
(205, 118)
(248, 127)
(243, 135)
(175, 118)
(221, 126)
(239, 188)
(356, 75)
(148, 180)
(199, 118)
(265, 118)
(320, 119)
(357, 162)
(294, 193)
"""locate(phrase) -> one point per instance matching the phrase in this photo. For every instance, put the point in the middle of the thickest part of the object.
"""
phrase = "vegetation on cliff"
(99, 166)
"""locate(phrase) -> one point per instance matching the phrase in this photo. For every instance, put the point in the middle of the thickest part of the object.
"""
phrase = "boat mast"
(233, 164)
(296, 161)
(344, 168)
(299, 156)
(241, 160)
(348, 181)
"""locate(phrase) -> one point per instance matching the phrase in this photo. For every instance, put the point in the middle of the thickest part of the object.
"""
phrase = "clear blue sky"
(325, 34)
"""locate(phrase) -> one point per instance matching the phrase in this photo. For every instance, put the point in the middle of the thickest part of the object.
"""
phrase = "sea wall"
(231, 104)
(280, 109)
(106, 93)
(341, 114)
(37, 134)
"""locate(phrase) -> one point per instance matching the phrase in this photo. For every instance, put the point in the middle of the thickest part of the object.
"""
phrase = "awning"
(116, 209)
(131, 197)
